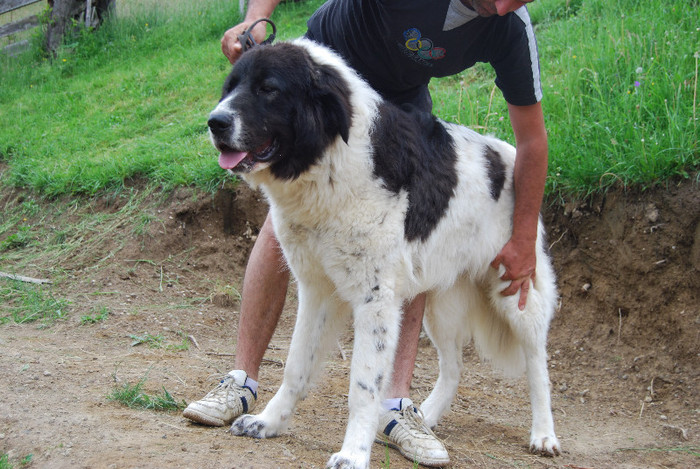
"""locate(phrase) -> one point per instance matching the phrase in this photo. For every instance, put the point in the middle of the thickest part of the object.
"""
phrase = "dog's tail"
(462, 313)
(495, 341)
(502, 333)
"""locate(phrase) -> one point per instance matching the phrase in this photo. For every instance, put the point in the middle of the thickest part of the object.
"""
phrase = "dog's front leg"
(317, 319)
(376, 324)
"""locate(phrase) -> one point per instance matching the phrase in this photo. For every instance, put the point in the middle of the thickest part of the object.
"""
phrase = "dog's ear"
(333, 95)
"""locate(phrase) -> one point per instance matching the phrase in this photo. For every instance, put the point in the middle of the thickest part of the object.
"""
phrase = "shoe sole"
(433, 463)
(203, 418)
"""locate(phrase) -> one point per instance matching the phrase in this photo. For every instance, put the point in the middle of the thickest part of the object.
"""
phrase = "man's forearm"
(530, 170)
(529, 179)
(260, 9)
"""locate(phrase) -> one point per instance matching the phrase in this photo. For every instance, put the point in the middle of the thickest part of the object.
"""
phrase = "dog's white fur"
(345, 245)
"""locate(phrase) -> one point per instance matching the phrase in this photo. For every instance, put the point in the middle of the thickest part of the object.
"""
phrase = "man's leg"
(264, 291)
(401, 426)
(407, 348)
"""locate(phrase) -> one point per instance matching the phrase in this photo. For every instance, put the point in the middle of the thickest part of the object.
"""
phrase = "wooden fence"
(17, 26)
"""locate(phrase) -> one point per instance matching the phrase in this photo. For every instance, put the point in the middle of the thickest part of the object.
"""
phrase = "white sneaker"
(224, 403)
(405, 431)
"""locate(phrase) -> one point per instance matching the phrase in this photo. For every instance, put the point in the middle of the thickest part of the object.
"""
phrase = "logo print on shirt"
(422, 46)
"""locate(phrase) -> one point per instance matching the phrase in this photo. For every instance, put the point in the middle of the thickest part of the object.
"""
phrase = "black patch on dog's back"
(496, 170)
(413, 151)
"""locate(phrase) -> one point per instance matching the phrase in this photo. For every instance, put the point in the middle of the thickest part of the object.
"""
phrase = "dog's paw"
(252, 426)
(431, 414)
(547, 445)
(346, 461)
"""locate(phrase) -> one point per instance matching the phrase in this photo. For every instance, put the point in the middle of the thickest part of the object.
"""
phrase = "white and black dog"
(372, 205)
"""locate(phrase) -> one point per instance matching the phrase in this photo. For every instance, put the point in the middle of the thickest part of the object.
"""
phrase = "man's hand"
(519, 260)
(232, 47)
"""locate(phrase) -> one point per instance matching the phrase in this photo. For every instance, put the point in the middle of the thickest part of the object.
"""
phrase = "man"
(398, 46)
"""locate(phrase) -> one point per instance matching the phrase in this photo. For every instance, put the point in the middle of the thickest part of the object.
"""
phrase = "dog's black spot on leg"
(380, 333)
(496, 170)
(366, 388)
(378, 381)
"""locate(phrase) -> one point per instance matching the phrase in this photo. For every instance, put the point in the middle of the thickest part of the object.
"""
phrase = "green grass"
(131, 100)
(100, 314)
(621, 99)
(620, 103)
(28, 303)
(133, 396)
(5, 462)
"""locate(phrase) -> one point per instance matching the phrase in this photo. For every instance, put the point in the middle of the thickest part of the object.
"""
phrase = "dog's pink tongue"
(229, 159)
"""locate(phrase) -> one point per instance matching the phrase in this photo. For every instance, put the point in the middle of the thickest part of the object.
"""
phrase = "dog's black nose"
(219, 121)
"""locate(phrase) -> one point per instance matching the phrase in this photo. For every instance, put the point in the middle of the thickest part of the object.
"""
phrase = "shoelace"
(414, 417)
(226, 382)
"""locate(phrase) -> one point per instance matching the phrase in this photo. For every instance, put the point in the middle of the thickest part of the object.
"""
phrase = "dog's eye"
(268, 87)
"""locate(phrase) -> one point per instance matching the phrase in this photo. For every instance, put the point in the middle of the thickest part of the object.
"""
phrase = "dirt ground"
(623, 346)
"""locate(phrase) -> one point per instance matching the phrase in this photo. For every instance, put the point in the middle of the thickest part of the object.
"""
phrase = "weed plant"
(158, 341)
(131, 99)
(100, 314)
(133, 396)
(5, 462)
(152, 341)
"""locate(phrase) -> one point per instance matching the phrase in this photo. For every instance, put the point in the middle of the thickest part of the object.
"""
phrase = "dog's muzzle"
(221, 126)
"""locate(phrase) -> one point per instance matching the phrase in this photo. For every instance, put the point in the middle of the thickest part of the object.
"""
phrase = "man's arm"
(257, 9)
(518, 255)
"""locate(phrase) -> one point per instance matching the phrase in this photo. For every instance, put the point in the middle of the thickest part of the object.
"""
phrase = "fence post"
(91, 13)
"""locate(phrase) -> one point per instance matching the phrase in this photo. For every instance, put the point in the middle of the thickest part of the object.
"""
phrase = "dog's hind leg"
(529, 329)
(542, 438)
(318, 319)
(444, 322)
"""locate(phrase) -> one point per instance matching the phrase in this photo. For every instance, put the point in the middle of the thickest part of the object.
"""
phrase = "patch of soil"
(623, 346)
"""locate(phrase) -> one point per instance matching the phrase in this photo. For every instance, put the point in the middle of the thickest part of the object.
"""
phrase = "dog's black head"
(279, 109)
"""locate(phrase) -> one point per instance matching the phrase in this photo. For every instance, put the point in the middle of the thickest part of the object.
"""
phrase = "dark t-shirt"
(399, 45)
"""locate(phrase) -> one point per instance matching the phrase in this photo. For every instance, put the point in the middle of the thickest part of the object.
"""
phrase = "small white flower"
(639, 70)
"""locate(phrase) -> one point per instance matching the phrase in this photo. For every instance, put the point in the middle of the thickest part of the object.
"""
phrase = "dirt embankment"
(623, 346)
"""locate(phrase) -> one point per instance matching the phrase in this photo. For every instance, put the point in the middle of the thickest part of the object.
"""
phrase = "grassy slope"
(620, 82)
